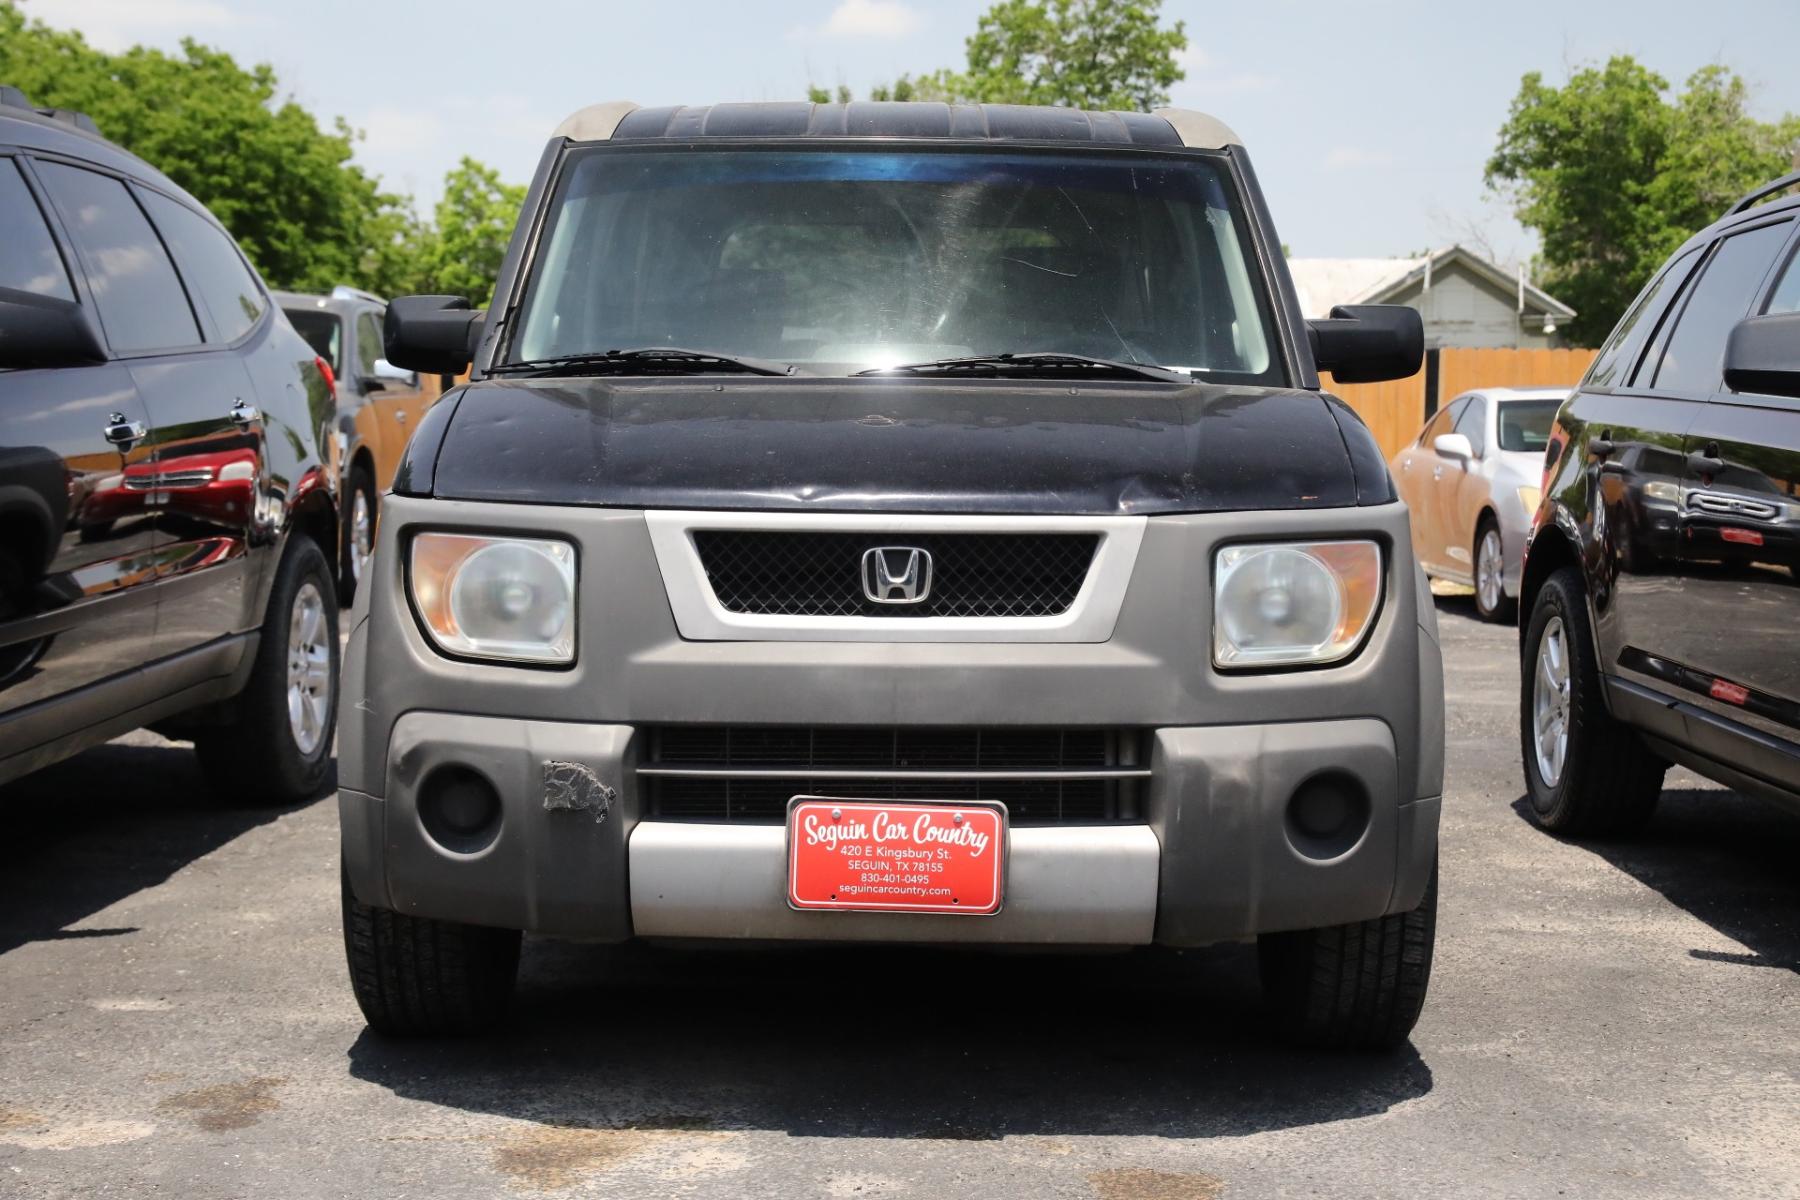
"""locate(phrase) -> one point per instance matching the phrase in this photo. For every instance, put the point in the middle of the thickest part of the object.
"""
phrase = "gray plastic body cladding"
(633, 668)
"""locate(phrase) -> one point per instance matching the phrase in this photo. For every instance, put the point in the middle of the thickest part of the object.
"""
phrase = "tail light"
(329, 374)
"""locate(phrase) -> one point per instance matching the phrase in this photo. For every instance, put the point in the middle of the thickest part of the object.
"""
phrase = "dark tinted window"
(28, 257)
(322, 331)
(1786, 297)
(1472, 424)
(211, 266)
(368, 343)
(1613, 366)
(1694, 359)
(1525, 424)
(135, 288)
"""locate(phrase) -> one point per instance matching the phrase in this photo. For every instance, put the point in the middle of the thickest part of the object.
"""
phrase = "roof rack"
(344, 291)
(1767, 189)
(12, 97)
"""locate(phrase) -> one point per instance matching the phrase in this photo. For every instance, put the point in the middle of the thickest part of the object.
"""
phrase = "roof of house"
(1324, 283)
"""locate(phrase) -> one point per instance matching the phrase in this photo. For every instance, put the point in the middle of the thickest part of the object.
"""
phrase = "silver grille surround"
(699, 616)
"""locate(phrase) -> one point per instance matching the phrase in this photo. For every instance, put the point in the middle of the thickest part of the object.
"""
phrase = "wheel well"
(317, 519)
(1550, 552)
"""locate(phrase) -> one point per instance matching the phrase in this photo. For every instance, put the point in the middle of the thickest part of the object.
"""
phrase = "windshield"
(1525, 424)
(840, 260)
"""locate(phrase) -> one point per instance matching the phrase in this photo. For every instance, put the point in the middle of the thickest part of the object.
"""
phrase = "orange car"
(378, 408)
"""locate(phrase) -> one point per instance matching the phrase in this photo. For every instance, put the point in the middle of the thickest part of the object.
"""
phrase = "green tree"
(475, 219)
(1093, 54)
(1613, 173)
(304, 213)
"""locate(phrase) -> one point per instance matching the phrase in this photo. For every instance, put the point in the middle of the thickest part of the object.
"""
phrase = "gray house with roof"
(1464, 298)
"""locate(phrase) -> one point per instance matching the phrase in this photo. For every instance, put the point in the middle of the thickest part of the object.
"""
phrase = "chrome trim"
(1069, 885)
(805, 772)
(1733, 506)
(701, 618)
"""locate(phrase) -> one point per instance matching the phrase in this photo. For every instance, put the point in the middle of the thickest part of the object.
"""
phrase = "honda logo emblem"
(896, 574)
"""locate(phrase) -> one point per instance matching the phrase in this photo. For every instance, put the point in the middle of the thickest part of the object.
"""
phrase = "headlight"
(1293, 603)
(1529, 498)
(489, 597)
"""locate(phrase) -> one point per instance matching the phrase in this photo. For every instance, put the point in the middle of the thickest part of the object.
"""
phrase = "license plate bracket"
(849, 855)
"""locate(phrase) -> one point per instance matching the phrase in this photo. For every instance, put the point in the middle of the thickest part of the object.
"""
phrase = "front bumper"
(1210, 858)
(1213, 859)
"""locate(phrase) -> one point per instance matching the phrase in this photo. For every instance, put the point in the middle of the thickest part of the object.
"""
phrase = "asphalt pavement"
(1604, 1020)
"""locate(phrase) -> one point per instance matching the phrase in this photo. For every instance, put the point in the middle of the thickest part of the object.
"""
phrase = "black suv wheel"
(1585, 773)
(279, 749)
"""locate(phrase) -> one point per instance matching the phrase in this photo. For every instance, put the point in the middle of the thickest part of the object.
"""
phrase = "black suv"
(1663, 574)
(163, 494)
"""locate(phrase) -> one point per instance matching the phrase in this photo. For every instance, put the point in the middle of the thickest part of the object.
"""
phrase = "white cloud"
(114, 25)
(1352, 158)
(871, 18)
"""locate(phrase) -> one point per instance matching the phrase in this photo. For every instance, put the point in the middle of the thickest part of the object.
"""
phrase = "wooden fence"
(1395, 410)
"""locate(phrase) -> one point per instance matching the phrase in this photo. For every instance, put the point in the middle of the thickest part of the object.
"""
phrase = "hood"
(896, 445)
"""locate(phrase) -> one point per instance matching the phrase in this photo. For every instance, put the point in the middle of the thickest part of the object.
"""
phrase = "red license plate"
(874, 856)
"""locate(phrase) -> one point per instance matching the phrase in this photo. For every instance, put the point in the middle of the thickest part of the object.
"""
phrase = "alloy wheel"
(308, 669)
(362, 535)
(1550, 702)
(1489, 567)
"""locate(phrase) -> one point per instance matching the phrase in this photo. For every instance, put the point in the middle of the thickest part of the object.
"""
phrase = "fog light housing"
(460, 809)
(1327, 815)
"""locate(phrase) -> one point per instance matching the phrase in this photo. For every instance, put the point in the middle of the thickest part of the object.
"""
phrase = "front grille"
(749, 773)
(816, 574)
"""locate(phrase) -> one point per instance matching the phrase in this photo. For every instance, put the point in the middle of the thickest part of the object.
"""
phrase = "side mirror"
(435, 334)
(44, 331)
(1763, 355)
(1366, 343)
(1453, 445)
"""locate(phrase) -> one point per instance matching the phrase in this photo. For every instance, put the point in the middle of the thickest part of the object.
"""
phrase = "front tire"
(1491, 600)
(1352, 987)
(1586, 774)
(416, 977)
(278, 750)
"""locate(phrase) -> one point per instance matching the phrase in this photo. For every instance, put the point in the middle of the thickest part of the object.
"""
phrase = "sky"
(1368, 122)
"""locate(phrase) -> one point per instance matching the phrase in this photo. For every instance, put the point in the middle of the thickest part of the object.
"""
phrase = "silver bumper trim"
(1067, 885)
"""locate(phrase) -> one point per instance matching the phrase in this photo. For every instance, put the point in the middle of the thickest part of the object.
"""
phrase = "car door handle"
(121, 432)
(1437, 472)
(400, 416)
(244, 415)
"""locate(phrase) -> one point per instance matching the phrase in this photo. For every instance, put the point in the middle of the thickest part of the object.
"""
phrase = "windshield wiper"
(672, 360)
(1047, 360)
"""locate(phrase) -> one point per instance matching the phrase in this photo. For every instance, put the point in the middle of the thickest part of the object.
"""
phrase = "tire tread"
(1359, 986)
(418, 977)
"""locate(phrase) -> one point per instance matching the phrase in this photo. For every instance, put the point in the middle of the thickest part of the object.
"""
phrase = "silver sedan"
(1471, 479)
